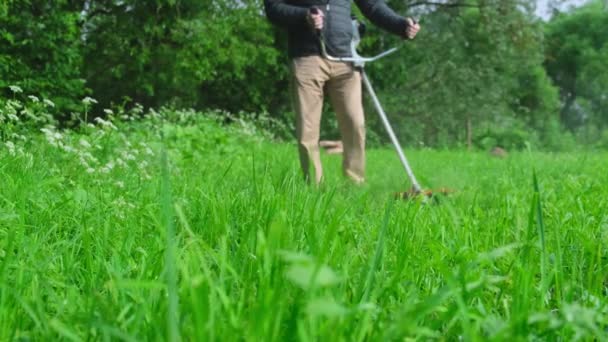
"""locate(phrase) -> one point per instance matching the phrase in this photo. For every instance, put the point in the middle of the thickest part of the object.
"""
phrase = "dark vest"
(337, 29)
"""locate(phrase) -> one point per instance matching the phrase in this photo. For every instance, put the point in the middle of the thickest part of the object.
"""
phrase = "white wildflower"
(120, 202)
(100, 133)
(154, 114)
(11, 147)
(105, 123)
(53, 137)
(14, 105)
(121, 162)
(18, 137)
(84, 143)
(34, 98)
(146, 149)
(128, 156)
(88, 100)
(138, 109)
(90, 170)
(48, 103)
(120, 184)
(84, 163)
(108, 111)
(68, 148)
(87, 155)
(16, 89)
(108, 167)
(27, 112)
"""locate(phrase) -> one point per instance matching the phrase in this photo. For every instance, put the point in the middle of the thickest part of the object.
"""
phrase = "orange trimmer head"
(413, 194)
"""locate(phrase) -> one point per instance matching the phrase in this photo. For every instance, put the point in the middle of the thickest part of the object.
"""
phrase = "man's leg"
(309, 76)
(345, 91)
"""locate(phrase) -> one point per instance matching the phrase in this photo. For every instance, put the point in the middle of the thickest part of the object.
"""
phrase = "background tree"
(41, 50)
(576, 60)
(190, 53)
(472, 76)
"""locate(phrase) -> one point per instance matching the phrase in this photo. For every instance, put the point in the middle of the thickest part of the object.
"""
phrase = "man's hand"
(315, 19)
(412, 28)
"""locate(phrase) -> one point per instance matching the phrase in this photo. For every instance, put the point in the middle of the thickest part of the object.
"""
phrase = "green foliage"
(40, 51)
(510, 137)
(555, 138)
(472, 63)
(243, 69)
(602, 143)
(185, 53)
(577, 51)
(188, 53)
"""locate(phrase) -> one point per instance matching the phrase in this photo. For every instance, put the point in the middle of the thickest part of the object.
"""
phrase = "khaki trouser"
(311, 76)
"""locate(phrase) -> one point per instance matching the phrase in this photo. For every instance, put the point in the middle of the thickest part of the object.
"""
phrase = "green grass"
(224, 241)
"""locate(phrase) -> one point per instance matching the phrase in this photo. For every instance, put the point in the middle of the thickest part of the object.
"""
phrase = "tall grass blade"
(369, 280)
(539, 212)
(170, 252)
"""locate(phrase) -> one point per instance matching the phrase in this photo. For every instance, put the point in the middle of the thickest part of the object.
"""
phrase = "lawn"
(177, 226)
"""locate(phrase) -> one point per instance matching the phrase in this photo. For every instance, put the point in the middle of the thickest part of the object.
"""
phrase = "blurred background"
(482, 73)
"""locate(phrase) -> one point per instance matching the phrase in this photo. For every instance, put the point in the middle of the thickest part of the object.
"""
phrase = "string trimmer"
(359, 62)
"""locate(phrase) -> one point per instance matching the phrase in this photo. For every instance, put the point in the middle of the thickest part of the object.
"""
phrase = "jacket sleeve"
(378, 12)
(284, 15)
